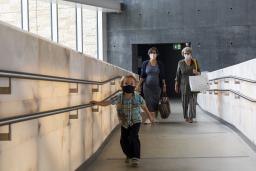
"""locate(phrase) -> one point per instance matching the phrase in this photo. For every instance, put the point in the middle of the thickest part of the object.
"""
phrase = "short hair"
(186, 49)
(127, 76)
(152, 49)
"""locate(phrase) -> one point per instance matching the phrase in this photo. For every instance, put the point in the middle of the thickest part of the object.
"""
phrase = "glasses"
(186, 53)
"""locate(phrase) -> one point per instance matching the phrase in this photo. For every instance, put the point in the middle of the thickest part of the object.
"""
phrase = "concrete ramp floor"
(174, 145)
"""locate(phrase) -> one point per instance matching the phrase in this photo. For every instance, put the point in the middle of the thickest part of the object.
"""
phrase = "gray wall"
(225, 29)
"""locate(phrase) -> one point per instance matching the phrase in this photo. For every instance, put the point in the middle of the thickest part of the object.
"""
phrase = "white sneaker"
(135, 162)
(147, 121)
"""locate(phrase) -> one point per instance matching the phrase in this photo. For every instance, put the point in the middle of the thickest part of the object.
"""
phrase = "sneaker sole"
(135, 164)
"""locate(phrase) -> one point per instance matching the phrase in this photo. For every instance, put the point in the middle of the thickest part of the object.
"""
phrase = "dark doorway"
(169, 55)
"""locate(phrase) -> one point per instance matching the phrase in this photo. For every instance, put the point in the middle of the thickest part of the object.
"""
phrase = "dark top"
(161, 74)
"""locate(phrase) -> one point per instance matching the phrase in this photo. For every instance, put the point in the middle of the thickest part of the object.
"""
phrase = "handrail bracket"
(113, 82)
(96, 89)
(73, 116)
(6, 90)
(6, 136)
(74, 90)
(95, 108)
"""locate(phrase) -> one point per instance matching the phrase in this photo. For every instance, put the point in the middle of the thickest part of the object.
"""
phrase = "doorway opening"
(169, 55)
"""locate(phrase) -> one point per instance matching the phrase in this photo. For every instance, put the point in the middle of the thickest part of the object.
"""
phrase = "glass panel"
(54, 22)
(67, 24)
(90, 31)
(40, 18)
(100, 35)
(24, 13)
(79, 29)
(10, 12)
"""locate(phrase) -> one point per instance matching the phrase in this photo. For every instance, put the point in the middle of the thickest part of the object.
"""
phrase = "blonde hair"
(186, 50)
(127, 76)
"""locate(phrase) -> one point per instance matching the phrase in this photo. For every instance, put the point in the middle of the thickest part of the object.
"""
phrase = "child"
(128, 108)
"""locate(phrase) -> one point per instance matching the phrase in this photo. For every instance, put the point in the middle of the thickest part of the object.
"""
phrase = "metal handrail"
(31, 116)
(234, 77)
(31, 76)
(235, 92)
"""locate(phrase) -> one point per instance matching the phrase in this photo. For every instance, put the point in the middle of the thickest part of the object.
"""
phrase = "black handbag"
(164, 106)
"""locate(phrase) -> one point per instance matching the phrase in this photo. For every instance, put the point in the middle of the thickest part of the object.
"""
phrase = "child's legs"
(134, 139)
(125, 142)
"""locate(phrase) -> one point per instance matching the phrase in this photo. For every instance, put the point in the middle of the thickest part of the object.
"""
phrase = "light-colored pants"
(189, 105)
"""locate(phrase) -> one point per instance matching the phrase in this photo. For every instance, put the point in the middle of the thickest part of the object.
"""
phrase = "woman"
(153, 79)
(187, 67)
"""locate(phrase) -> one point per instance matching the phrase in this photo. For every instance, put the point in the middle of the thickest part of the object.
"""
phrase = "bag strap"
(196, 65)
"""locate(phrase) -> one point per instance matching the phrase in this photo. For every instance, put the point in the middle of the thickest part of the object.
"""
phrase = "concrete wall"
(222, 32)
(237, 111)
(55, 142)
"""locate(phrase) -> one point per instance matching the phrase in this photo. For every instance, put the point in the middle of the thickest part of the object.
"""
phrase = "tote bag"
(198, 83)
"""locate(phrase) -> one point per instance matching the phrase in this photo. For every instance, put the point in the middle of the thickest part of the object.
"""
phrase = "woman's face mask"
(153, 55)
(187, 56)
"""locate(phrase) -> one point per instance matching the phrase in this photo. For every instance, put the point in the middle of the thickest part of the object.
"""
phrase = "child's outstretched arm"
(113, 100)
(145, 109)
(100, 103)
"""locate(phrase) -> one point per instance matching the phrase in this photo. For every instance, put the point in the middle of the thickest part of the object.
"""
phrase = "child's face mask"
(128, 88)
(129, 85)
